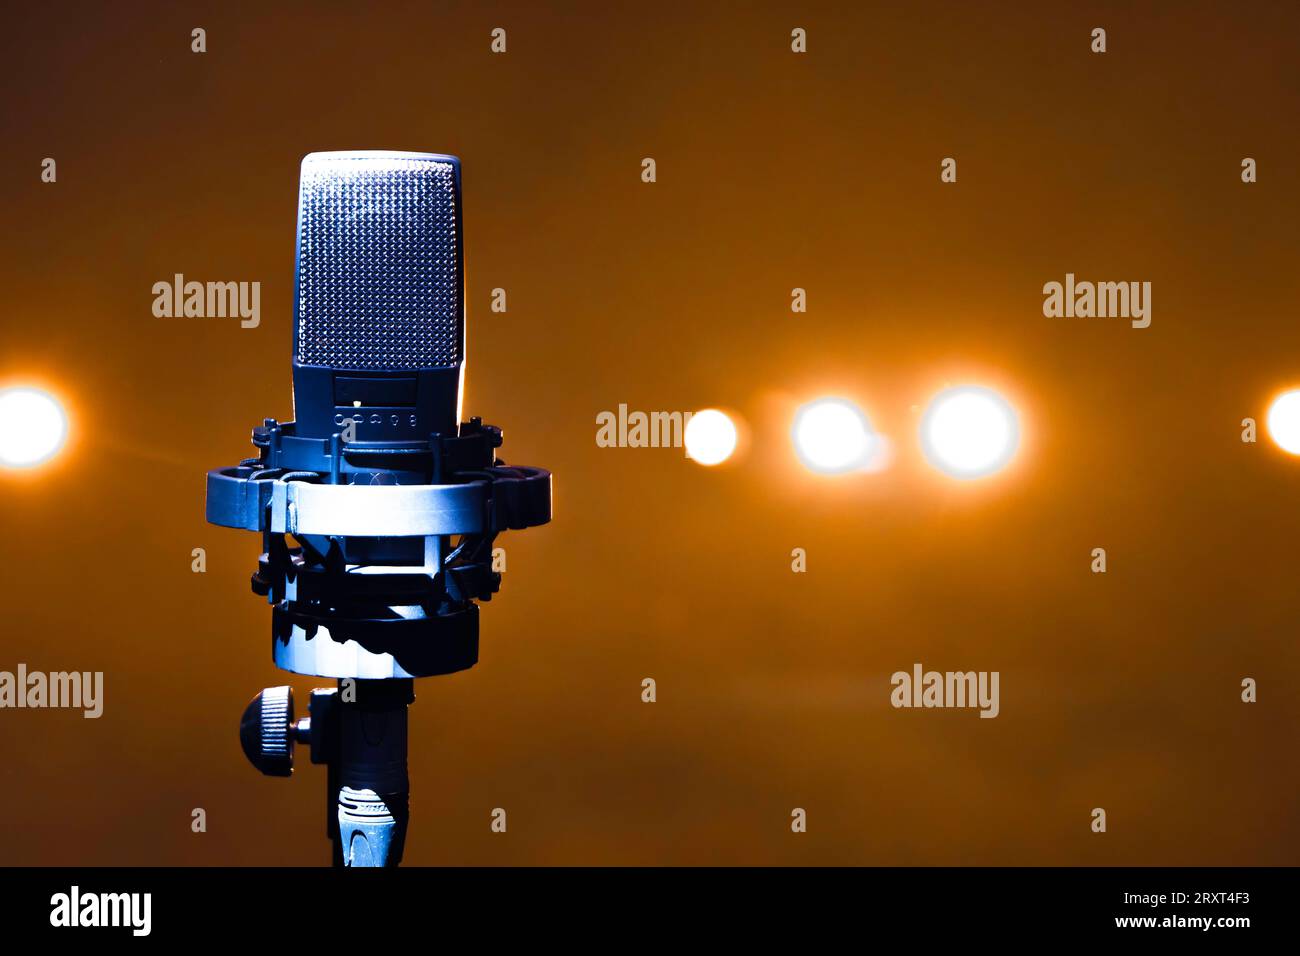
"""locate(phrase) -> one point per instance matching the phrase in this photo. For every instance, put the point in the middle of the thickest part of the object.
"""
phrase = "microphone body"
(379, 312)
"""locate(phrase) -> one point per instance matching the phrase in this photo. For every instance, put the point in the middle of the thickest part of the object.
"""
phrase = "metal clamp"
(514, 498)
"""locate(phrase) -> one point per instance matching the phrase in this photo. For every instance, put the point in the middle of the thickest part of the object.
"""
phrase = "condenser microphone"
(378, 507)
(379, 310)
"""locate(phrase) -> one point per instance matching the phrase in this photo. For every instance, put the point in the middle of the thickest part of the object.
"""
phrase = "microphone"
(379, 312)
(378, 507)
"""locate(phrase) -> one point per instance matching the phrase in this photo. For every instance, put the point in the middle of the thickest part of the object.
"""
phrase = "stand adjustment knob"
(267, 732)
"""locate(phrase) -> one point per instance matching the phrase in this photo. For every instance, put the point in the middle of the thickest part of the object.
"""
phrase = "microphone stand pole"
(367, 786)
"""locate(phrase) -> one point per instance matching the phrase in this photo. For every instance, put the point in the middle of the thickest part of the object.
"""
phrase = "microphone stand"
(372, 594)
(367, 787)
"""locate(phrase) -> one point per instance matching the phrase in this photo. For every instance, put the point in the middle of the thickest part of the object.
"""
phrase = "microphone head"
(379, 312)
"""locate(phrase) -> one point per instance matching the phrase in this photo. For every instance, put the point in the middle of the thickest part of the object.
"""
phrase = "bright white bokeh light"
(710, 437)
(32, 427)
(832, 436)
(1284, 421)
(969, 431)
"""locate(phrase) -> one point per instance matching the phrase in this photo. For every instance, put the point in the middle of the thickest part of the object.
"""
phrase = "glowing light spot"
(832, 436)
(969, 432)
(710, 437)
(1284, 421)
(32, 427)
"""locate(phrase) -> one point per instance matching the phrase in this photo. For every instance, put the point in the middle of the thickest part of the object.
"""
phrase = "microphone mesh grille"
(378, 263)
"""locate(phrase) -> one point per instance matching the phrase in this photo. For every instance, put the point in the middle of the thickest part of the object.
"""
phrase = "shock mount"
(374, 554)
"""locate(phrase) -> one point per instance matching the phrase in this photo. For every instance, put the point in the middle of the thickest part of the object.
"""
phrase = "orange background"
(775, 170)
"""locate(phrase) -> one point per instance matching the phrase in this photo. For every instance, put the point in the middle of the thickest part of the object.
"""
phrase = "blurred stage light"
(710, 437)
(1284, 421)
(832, 436)
(32, 427)
(969, 431)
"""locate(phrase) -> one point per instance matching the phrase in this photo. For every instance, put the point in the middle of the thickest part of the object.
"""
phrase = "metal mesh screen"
(378, 269)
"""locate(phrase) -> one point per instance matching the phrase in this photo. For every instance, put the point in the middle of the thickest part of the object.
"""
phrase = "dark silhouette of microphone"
(378, 507)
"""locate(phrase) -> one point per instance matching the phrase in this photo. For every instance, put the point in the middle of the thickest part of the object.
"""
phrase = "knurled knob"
(266, 731)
